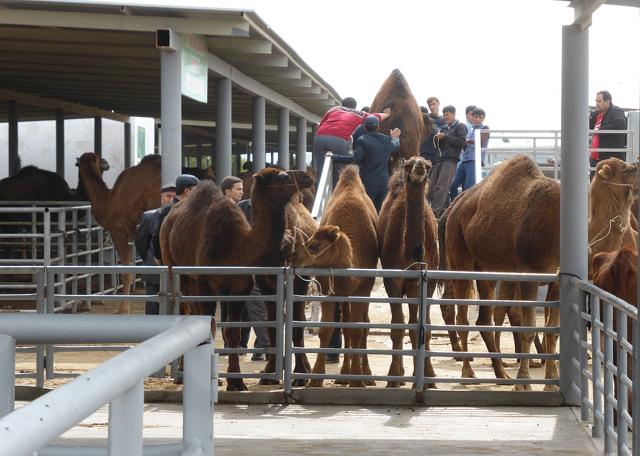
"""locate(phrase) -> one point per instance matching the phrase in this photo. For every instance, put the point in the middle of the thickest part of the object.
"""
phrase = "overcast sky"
(502, 55)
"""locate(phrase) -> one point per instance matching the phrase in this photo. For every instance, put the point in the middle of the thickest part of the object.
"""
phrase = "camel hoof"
(341, 382)
(316, 383)
(370, 383)
(535, 364)
(356, 384)
(236, 386)
(300, 382)
(522, 388)
(426, 386)
(394, 384)
(268, 381)
(457, 358)
(551, 388)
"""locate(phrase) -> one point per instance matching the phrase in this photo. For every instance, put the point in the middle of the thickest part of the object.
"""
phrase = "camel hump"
(350, 176)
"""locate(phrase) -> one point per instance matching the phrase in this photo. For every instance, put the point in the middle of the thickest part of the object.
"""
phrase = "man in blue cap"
(184, 186)
(372, 152)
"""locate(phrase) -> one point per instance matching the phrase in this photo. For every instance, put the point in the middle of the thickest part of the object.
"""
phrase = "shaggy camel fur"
(224, 237)
(408, 238)
(118, 210)
(352, 210)
(516, 196)
(405, 114)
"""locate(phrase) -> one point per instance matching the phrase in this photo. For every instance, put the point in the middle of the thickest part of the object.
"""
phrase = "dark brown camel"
(224, 237)
(118, 210)
(408, 239)
(352, 210)
(405, 113)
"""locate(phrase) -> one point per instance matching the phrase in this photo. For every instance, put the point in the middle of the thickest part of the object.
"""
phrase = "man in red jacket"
(334, 133)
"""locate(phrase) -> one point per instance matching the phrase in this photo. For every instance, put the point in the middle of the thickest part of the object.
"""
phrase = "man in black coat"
(607, 116)
(450, 141)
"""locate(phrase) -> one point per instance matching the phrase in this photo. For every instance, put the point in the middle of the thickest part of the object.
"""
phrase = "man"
(372, 154)
(184, 186)
(145, 230)
(450, 141)
(232, 188)
(428, 148)
(466, 169)
(607, 116)
(335, 130)
(468, 112)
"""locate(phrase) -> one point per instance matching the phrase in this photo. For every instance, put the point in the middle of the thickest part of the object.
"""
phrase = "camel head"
(416, 170)
(94, 162)
(278, 185)
(619, 175)
(328, 247)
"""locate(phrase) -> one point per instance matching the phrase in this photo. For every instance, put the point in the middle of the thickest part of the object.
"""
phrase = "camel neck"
(414, 222)
(609, 218)
(97, 191)
(267, 231)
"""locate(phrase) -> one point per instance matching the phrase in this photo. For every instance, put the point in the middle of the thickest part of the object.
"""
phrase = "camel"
(307, 194)
(225, 238)
(407, 234)
(118, 210)
(405, 114)
(351, 209)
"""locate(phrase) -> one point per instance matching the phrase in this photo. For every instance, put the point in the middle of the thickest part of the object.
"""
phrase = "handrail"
(323, 190)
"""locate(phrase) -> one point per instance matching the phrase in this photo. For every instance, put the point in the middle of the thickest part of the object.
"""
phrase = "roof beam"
(49, 103)
(261, 61)
(582, 11)
(240, 45)
(207, 26)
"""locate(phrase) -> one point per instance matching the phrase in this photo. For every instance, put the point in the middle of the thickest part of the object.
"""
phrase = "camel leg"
(462, 290)
(121, 245)
(328, 310)
(232, 336)
(394, 290)
(270, 366)
(366, 369)
(504, 290)
(528, 291)
(412, 291)
(551, 340)
(449, 316)
(302, 362)
(487, 290)
(347, 335)
(358, 340)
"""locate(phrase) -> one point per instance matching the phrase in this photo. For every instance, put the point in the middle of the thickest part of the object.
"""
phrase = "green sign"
(194, 67)
(141, 137)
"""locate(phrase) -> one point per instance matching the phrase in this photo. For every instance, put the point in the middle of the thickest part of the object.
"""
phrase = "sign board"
(195, 67)
(141, 136)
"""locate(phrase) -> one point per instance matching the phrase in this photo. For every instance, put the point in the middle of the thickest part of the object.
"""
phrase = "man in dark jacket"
(429, 148)
(450, 141)
(372, 153)
(607, 116)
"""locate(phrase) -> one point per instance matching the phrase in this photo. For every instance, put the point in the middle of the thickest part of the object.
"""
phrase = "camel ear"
(77, 161)
(333, 233)
(605, 172)
(429, 165)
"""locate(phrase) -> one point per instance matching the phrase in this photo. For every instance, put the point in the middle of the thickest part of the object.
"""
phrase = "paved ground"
(333, 430)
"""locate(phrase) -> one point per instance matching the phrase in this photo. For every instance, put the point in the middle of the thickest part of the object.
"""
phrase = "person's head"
(371, 123)
(434, 105)
(603, 101)
(449, 114)
(468, 111)
(232, 188)
(366, 109)
(349, 102)
(184, 185)
(166, 194)
(478, 116)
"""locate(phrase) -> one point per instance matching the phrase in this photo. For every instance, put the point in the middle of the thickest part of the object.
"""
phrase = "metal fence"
(118, 382)
(609, 388)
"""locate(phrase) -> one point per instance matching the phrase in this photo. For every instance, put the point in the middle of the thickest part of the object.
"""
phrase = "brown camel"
(352, 210)
(516, 196)
(118, 210)
(405, 114)
(307, 194)
(224, 237)
(408, 238)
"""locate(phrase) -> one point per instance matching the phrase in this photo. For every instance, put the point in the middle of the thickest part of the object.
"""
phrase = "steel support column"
(573, 197)
(283, 138)
(127, 145)
(7, 374)
(223, 128)
(197, 399)
(171, 113)
(258, 132)
(301, 149)
(97, 135)
(14, 160)
(125, 422)
(60, 142)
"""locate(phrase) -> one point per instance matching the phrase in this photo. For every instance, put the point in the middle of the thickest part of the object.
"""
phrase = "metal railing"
(324, 189)
(118, 382)
(612, 383)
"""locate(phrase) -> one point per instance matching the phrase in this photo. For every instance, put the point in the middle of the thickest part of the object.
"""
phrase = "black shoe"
(258, 357)
(332, 358)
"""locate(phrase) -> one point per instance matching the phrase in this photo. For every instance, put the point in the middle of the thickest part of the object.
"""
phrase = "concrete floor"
(338, 430)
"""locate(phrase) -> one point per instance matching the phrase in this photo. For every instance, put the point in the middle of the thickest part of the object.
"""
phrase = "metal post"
(97, 135)
(556, 158)
(258, 134)
(223, 128)
(584, 380)
(87, 246)
(635, 394)
(40, 309)
(621, 331)
(573, 197)
(288, 341)
(14, 160)
(301, 149)
(125, 422)
(74, 250)
(49, 309)
(596, 351)
(421, 332)
(174, 371)
(171, 112)
(197, 400)
(127, 145)
(7, 374)
(279, 324)
(283, 138)
(609, 443)
(60, 142)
